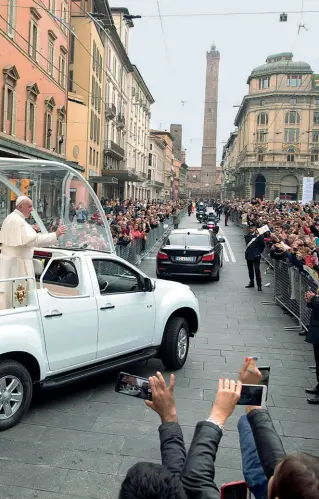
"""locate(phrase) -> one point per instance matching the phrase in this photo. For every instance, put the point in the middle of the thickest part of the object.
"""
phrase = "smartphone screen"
(265, 371)
(253, 395)
(128, 384)
(234, 491)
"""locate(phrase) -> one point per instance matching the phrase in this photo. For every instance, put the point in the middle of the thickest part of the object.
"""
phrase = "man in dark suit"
(255, 245)
(312, 300)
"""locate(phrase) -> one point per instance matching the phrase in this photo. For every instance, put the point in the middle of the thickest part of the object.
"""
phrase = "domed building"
(276, 141)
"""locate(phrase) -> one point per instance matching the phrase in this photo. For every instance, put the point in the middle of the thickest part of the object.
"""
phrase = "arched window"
(262, 119)
(314, 156)
(291, 155)
(292, 118)
(260, 186)
(289, 188)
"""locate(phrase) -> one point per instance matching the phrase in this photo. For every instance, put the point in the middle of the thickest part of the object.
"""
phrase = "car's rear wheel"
(216, 276)
(175, 343)
(15, 393)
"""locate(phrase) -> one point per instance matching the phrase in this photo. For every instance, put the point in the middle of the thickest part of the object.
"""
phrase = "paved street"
(80, 443)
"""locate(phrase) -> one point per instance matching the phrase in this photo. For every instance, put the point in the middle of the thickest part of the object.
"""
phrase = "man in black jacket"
(195, 474)
(313, 337)
(255, 245)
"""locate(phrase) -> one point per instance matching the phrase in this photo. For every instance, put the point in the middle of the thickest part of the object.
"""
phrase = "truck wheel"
(15, 393)
(175, 343)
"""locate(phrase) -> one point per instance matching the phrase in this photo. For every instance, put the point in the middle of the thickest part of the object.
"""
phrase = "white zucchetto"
(20, 200)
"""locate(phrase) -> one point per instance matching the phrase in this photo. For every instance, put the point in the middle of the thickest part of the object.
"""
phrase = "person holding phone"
(312, 336)
(252, 467)
(180, 477)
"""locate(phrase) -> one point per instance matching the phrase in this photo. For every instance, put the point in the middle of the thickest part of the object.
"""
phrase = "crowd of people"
(128, 221)
(294, 229)
(268, 471)
(291, 234)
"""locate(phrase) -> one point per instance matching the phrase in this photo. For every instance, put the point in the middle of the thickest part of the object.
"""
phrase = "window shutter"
(27, 120)
(45, 129)
(30, 38)
(14, 113)
(98, 130)
(51, 140)
(53, 62)
(5, 109)
(35, 125)
(37, 45)
(64, 138)
(60, 70)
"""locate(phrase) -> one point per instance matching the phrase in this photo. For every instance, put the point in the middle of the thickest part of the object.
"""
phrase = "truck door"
(69, 314)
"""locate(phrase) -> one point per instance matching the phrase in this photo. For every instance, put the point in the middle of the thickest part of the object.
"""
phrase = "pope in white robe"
(18, 240)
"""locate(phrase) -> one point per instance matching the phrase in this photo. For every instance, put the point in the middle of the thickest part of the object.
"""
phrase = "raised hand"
(163, 398)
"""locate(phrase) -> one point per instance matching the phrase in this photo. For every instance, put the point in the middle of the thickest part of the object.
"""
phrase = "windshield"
(188, 240)
(60, 195)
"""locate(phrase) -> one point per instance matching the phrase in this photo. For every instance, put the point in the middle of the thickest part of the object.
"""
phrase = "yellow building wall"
(77, 144)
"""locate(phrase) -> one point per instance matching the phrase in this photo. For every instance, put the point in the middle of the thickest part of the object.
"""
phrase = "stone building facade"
(276, 142)
(193, 185)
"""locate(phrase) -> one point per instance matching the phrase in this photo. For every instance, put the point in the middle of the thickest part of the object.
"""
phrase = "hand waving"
(249, 373)
(226, 399)
(61, 230)
(163, 398)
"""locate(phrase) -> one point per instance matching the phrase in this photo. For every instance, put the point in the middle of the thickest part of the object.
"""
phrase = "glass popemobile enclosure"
(60, 196)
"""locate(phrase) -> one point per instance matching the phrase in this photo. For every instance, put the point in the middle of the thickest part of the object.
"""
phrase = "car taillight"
(209, 257)
(162, 256)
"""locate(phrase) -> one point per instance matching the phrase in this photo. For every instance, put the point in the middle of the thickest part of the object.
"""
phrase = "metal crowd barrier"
(137, 248)
(290, 285)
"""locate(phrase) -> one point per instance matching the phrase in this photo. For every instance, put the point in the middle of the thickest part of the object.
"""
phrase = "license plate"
(185, 259)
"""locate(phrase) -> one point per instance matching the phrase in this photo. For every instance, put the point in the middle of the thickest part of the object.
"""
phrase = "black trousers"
(316, 352)
(254, 265)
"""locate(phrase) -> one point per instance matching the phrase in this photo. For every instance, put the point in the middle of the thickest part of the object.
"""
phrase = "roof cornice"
(141, 82)
(310, 93)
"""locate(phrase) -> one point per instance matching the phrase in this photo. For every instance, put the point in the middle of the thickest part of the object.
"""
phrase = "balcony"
(120, 121)
(113, 150)
(110, 111)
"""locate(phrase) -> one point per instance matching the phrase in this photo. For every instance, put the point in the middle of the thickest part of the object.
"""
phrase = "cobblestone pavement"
(80, 442)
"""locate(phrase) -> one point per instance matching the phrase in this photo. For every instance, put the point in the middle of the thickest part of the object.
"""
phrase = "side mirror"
(148, 285)
(221, 240)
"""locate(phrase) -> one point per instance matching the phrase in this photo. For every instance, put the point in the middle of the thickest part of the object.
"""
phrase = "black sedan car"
(190, 252)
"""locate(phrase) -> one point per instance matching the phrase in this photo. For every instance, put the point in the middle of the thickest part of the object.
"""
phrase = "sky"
(172, 56)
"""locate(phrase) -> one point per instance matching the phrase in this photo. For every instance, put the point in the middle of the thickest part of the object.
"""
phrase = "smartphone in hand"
(135, 386)
(234, 490)
(253, 395)
(265, 371)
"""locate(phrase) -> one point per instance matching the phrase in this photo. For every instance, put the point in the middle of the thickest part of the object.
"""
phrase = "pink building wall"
(15, 52)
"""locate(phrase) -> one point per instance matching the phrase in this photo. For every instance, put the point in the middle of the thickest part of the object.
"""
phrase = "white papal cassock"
(18, 241)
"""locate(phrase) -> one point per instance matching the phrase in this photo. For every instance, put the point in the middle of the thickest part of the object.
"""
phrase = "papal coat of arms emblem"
(20, 294)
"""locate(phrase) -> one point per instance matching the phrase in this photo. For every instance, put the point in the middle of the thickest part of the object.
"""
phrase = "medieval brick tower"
(208, 169)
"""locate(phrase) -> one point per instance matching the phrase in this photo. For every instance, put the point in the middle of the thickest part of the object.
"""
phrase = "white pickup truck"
(83, 312)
